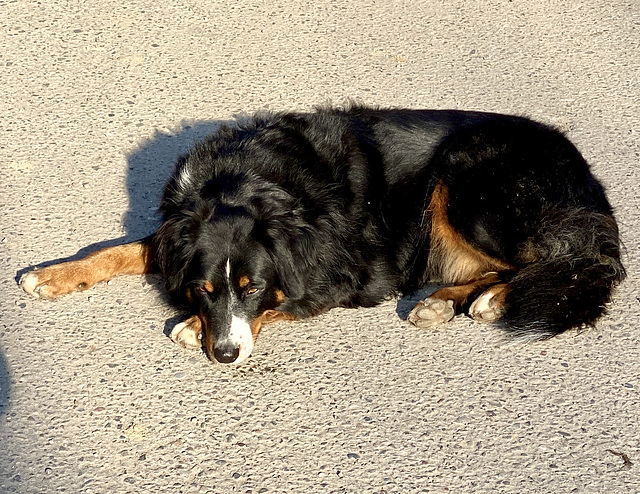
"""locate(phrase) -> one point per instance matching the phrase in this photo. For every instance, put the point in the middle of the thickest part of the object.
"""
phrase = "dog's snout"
(230, 345)
(226, 354)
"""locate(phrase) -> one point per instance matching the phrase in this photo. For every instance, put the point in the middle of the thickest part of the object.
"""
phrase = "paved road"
(97, 100)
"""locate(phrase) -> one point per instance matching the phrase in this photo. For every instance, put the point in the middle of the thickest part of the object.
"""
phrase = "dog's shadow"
(407, 302)
(150, 166)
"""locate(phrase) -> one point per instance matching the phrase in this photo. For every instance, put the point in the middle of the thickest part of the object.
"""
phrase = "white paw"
(188, 334)
(431, 312)
(34, 286)
(488, 306)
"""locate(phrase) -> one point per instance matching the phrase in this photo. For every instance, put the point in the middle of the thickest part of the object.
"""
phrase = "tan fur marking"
(207, 286)
(268, 317)
(280, 296)
(461, 293)
(244, 281)
(59, 279)
(451, 258)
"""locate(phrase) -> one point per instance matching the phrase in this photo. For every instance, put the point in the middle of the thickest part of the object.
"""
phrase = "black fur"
(330, 208)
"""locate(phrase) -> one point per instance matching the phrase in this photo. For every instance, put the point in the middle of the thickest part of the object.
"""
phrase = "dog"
(288, 215)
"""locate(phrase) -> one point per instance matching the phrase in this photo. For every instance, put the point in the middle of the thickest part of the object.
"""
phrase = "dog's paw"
(30, 283)
(188, 333)
(431, 312)
(489, 306)
(50, 282)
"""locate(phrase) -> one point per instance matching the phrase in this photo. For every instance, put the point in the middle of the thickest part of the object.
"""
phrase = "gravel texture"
(98, 98)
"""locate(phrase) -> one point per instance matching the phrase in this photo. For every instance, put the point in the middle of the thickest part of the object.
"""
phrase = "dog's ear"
(285, 233)
(291, 270)
(175, 249)
(286, 239)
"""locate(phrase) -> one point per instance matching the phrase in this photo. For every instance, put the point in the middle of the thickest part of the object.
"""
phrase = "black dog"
(292, 214)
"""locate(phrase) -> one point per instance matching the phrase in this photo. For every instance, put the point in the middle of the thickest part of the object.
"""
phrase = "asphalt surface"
(97, 100)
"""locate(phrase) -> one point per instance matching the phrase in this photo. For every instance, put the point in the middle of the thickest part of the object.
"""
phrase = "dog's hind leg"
(442, 305)
(453, 260)
(59, 279)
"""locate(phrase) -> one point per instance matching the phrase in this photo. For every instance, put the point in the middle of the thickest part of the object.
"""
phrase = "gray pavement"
(98, 98)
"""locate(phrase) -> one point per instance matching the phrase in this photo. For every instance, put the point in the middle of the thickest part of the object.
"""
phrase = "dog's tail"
(574, 264)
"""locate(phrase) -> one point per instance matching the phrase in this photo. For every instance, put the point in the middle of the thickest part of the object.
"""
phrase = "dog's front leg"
(102, 265)
(188, 333)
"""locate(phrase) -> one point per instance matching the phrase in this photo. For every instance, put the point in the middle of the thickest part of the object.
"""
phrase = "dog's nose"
(225, 354)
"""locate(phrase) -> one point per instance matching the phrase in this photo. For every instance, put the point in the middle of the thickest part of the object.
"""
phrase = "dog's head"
(231, 289)
(231, 263)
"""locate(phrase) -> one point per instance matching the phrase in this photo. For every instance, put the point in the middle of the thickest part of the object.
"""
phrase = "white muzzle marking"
(240, 335)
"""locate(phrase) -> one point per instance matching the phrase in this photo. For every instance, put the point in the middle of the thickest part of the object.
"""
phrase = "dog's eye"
(252, 290)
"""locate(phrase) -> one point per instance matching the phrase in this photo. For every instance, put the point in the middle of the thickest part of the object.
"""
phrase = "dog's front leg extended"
(102, 265)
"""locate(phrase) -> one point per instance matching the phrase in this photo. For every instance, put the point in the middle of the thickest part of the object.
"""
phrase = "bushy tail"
(573, 265)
